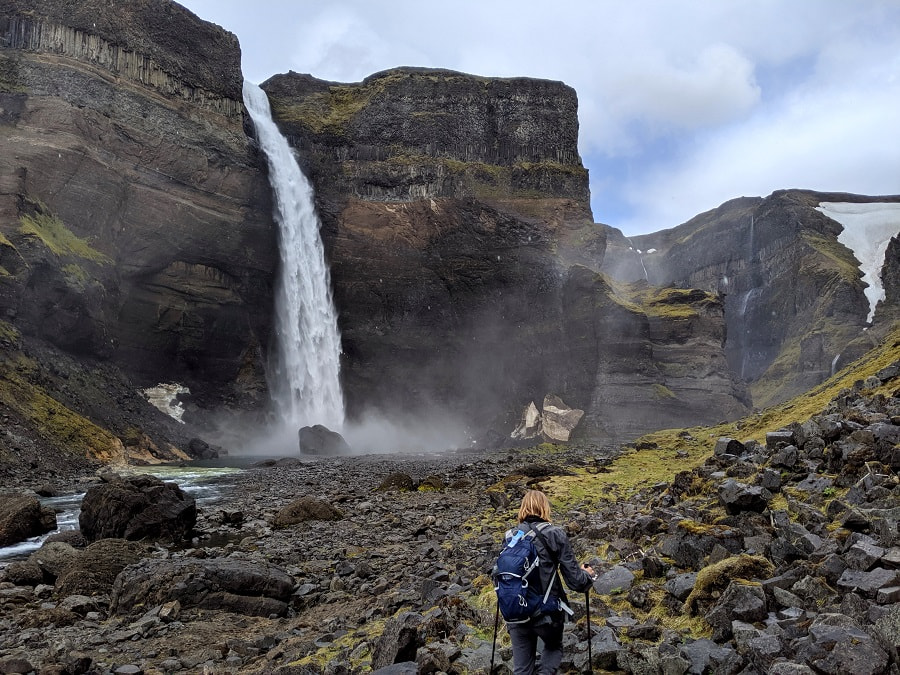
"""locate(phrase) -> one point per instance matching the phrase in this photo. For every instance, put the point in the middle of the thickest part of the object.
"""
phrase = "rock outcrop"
(794, 303)
(134, 215)
(239, 586)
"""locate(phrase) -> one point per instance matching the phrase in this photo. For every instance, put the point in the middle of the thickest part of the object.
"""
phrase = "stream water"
(203, 483)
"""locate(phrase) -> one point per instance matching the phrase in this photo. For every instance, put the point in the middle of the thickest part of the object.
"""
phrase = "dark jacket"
(560, 552)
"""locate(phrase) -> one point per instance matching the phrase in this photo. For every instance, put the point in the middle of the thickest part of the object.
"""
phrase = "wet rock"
(320, 440)
(305, 509)
(240, 586)
(138, 507)
(737, 497)
(200, 449)
(23, 517)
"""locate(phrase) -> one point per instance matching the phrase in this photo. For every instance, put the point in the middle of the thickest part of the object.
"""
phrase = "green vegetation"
(834, 251)
(57, 237)
(661, 391)
(59, 426)
(10, 79)
(76, 276)
(655, 301)
(10, 334)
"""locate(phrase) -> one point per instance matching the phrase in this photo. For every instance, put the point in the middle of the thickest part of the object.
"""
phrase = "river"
(203, 482)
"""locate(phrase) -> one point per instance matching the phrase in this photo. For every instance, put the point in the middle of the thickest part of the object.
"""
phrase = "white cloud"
(837, 139)
(683, 104)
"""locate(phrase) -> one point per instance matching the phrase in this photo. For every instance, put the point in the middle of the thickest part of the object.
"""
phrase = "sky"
(683, 104)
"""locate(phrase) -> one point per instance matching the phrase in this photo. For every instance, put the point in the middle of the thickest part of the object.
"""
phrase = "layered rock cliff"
(794, 299)
(456, 214)
(135, 225)
(135, 217)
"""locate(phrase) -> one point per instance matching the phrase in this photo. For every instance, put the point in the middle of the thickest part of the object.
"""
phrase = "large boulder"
(241, 586)
(304, 509)
(320, 440)
(23, 517)
(137, 507)
(559, 420)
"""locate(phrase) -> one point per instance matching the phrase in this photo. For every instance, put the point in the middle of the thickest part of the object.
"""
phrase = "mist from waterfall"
(304, 366)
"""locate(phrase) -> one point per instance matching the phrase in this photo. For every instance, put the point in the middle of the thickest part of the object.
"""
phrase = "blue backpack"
(517, 580)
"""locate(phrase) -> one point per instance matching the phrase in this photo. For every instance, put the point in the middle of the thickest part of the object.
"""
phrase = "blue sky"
(683, 104)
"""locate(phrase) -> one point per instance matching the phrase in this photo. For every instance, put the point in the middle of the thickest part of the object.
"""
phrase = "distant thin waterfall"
(304, 371)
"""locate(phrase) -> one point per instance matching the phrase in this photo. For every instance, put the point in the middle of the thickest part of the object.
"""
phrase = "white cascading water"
(305, 371)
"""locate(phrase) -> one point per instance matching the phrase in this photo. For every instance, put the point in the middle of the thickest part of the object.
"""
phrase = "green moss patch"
(834, 251)
(57, 237)
(714, 579)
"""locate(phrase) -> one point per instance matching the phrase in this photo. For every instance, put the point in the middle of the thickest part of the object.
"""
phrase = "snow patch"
(867, 230)
(164, 397)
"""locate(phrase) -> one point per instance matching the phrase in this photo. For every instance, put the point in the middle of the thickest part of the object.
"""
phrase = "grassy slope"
(662, 454)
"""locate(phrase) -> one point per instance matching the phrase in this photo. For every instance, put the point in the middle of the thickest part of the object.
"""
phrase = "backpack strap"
(555, 576)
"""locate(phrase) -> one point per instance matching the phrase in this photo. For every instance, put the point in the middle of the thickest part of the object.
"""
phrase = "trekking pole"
(587, 611)
(494, 646)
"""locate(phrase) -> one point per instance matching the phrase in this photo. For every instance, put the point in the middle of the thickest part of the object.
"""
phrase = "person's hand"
(590, 570)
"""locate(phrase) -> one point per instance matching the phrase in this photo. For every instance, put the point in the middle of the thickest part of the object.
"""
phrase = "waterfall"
(640, 255)
(304, 368)
(750, 256)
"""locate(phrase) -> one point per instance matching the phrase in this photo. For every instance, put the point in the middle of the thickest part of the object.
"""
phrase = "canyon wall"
(794, 299)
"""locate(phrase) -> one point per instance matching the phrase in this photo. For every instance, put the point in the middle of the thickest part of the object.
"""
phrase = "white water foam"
(305, 367)
(868, 227)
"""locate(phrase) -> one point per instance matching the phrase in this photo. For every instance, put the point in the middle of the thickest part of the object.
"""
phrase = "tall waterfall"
(305, 366)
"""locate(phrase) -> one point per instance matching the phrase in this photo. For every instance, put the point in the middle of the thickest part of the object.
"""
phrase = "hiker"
(554, 550)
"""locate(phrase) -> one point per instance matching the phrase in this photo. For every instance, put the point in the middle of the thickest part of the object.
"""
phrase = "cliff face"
(135, 231)
(134, 215)
(794, 300)
(456, 215)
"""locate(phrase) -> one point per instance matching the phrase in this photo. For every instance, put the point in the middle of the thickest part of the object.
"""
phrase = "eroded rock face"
(135, 218)
(793, 295)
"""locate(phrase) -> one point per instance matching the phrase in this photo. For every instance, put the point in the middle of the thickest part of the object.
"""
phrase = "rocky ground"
(774, 557)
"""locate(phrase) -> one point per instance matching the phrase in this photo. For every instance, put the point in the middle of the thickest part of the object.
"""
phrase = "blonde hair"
(534, 503)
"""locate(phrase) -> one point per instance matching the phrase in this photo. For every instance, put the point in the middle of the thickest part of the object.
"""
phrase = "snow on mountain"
(868, 228)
